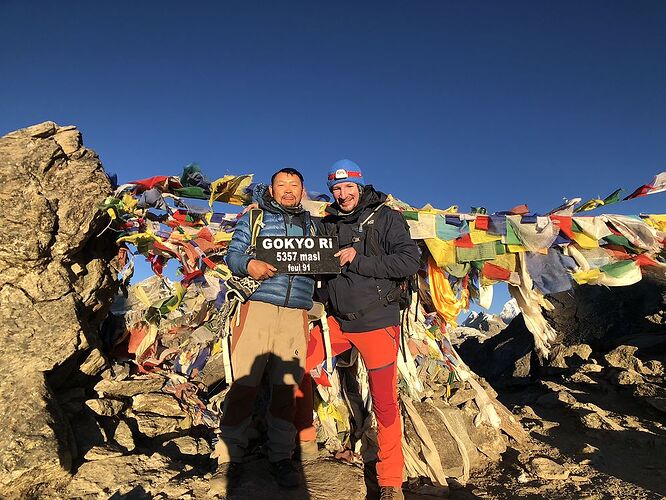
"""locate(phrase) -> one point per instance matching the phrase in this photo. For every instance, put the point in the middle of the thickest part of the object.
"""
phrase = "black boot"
(286, 474)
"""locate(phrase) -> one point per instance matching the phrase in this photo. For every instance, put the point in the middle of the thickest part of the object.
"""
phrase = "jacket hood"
(370, 198)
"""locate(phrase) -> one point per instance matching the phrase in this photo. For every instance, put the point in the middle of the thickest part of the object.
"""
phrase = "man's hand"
(346, 255)
(260, 270)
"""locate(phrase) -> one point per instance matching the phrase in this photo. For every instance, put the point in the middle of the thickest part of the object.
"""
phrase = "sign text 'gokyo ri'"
(300, 254)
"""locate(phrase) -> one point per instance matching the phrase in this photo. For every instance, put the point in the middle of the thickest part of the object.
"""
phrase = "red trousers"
(379, 349)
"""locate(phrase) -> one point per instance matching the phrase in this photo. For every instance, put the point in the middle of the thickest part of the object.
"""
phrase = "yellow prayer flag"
(444, 252)
(583, 277)
(584, 241)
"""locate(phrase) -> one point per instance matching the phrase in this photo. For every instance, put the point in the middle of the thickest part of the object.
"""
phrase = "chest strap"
(390, 298)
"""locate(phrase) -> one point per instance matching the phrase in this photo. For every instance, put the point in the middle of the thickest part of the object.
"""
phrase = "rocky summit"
(78, 421)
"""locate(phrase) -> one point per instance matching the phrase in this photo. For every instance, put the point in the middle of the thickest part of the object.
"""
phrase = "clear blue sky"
(448, 102)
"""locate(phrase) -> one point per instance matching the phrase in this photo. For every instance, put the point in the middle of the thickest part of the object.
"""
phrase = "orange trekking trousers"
(379, 350)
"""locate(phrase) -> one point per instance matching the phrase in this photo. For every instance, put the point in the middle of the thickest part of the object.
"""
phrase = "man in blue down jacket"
(271, 336)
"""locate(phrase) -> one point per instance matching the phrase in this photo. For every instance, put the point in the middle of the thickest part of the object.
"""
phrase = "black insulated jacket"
(385, 254)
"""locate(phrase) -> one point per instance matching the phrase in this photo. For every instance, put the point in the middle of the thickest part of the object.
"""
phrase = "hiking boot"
(391, 493)
(309, 451)
(286, 475)
(226, 477)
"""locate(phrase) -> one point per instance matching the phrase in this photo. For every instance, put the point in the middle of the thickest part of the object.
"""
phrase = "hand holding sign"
(299, 254)
(346, 255)
(260, 270)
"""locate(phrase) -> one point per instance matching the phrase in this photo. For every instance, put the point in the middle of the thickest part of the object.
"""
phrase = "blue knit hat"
(344, 171)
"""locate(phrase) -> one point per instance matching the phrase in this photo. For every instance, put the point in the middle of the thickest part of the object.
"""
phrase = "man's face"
(347, 195)
(287, 190)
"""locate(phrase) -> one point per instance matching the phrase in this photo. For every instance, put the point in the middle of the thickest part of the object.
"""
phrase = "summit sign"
(300, 254)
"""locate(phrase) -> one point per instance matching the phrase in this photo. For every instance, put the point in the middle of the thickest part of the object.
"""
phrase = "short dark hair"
(288, 171)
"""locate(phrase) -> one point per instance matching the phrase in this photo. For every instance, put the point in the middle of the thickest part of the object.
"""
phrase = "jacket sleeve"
(236, 257)
(403, 255)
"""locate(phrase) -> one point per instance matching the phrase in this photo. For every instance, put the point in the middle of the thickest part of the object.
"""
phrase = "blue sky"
(474, 103)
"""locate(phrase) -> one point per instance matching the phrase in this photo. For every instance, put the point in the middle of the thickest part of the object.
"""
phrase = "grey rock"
(153, 426)
(187, 445)
(157, 403)
(569, 356)
(130, 387)
(590, 368)
(545, 468)
(522, 367)
(37, 446)
(105, 407)
(555, 399)
(581, 378)
(42, 302)
(652, 394)
(68, 139)
(653, 367)
(603, 316)
(160, 477)
(623, 357)
(103, 452)
(123, 436)
(626, 377)
(461, 396)
(94, 364)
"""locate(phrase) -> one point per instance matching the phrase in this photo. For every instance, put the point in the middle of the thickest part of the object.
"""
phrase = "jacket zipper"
(286, 299)
(291, 277)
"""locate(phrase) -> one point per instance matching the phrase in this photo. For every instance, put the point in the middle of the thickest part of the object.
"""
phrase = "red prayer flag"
(465, 241)
(493, 272)
(565, 224)
(482, 222)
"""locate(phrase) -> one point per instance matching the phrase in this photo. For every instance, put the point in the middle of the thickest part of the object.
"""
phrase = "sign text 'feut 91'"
(300, 254)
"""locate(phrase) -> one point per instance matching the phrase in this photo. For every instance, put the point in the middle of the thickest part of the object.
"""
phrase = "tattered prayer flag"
(641, 191)
(491, 271)
(231, 189)
(618, 269)
(520, 210)
(658, 185)
(583, 277)
(614, 197)
(590, 205)
(643, 260)
(481, 222)
(565, 223)
(465, 241)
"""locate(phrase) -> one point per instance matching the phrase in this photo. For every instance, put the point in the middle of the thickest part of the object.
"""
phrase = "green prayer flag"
(195, 192)
(614, 197)
(511, 236)
(618, 269)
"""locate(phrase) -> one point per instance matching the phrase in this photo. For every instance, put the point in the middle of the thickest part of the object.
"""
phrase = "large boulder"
(56, 284)
(606, 317)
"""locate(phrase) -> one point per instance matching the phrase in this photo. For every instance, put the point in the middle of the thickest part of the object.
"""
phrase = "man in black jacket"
(376, 254)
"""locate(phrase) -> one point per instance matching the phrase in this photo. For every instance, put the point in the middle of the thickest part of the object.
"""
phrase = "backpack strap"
(309, 228)
(256, 223)
(370, 217)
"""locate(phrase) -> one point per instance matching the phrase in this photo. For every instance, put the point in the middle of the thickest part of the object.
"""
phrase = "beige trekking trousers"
(270, 339)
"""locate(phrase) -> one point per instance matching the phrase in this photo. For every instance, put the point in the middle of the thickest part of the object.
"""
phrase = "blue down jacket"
(282, 289)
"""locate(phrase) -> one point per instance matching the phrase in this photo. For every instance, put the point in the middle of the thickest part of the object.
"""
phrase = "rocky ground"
(595, 425)
(597, 431)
